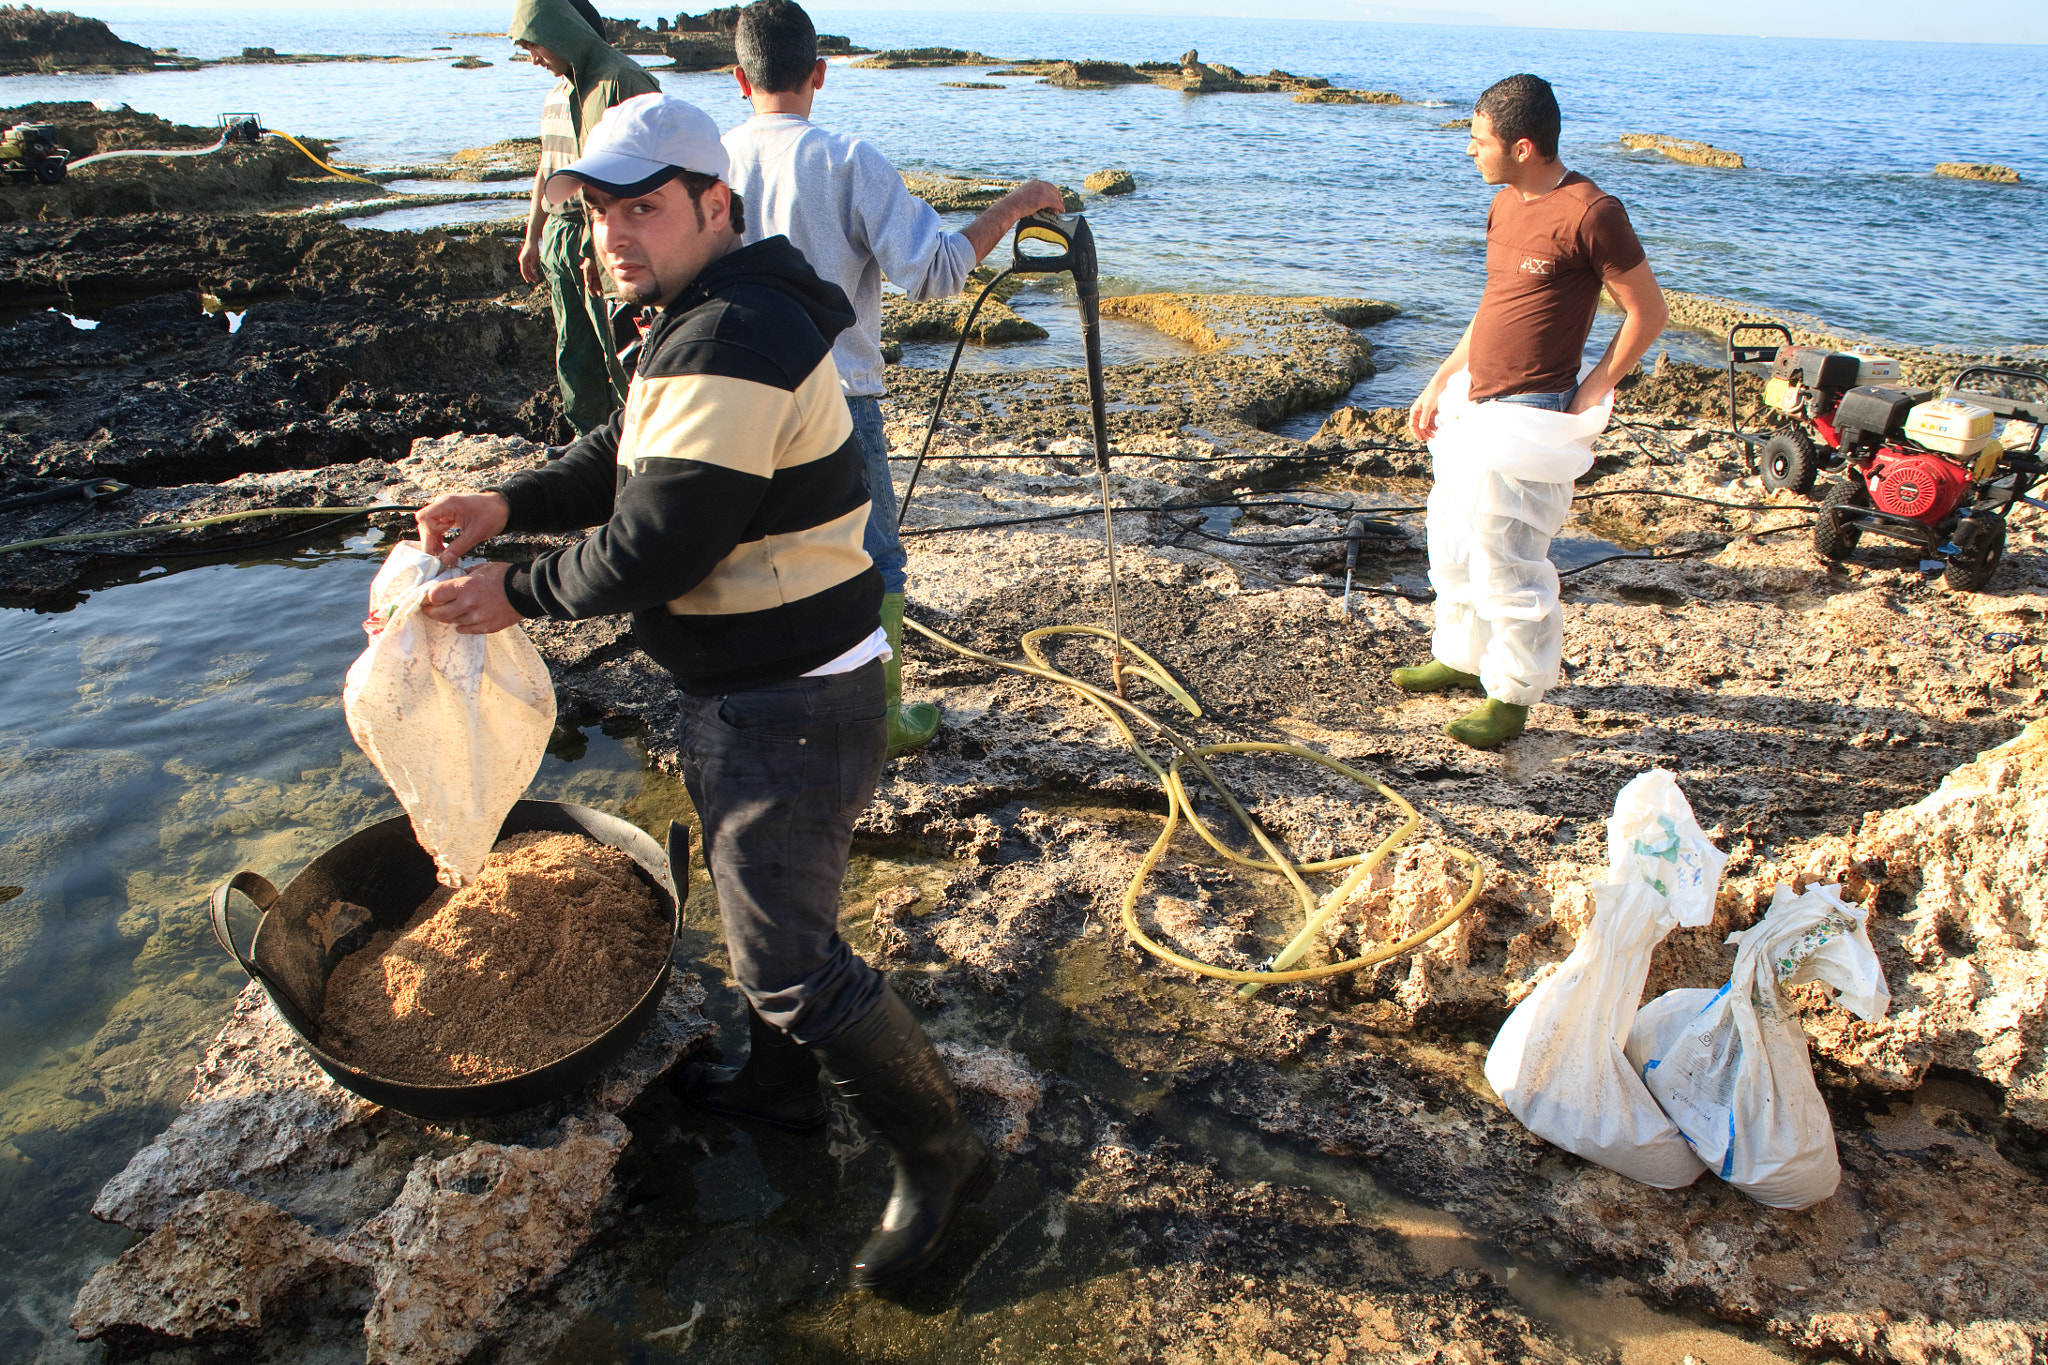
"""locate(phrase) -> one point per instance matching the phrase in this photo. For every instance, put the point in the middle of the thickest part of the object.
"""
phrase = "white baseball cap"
(638, 144)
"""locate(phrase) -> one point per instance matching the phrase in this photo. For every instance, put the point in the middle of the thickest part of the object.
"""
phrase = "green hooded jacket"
(602, 75)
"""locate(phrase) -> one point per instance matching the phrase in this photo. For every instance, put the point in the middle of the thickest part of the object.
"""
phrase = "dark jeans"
(778, 775)
(880, 540)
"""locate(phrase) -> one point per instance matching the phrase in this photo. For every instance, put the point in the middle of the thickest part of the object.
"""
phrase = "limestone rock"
(472, 1232)
(940, 320)
(470, 62)
(1091, 75)
(897, 59)
(1976, 170)
(1341, 96)
(1967, 954)
(262, 1119)
(1683, 149)
(1349, 426)
(957, 194)
(212, 1270)
(998, 1090)
(1111, 182)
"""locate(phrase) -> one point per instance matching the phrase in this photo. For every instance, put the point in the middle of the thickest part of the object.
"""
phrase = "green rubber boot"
(910, 727)
(1489, 725)
(1435, 677)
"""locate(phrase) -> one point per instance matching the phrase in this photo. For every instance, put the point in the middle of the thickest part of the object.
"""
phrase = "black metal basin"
(384, 870)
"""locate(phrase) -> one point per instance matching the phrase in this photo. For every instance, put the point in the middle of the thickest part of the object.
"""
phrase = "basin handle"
(258, 889)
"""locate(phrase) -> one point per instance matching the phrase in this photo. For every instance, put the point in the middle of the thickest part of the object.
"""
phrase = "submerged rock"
(1340, 96)
(1111, 182)
(1683, 149)
(214, 1269)
(1972, 170)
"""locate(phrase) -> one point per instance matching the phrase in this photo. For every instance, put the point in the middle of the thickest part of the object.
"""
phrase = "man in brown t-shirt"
(1553, 241)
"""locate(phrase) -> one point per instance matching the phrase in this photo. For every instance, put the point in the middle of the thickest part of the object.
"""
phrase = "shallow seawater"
(155, 738)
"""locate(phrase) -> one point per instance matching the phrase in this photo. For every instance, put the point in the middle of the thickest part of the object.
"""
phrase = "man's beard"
(642, 294)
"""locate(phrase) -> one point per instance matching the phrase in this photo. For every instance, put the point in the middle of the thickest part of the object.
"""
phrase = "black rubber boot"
(777, 1085)
(886, 1068)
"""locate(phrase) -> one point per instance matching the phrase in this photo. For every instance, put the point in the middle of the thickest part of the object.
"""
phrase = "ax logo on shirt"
(1536, 265)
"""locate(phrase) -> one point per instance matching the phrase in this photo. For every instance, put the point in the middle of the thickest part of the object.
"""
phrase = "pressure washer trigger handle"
(1043, 227)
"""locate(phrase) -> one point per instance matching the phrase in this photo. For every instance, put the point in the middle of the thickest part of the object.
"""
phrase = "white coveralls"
(1504, 475)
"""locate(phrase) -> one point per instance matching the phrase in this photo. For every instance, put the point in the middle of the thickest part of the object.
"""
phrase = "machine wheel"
(1789, 460)
(1981, 541)
(1833, 540)
(50, 171)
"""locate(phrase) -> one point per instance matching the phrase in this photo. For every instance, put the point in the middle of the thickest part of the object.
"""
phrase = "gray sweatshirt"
(845, 207)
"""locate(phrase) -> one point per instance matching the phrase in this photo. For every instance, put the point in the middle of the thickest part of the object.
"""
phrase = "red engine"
(1915, 483)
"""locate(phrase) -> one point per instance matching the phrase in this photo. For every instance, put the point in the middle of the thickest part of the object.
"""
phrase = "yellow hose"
(317, 161)
(1316, 910)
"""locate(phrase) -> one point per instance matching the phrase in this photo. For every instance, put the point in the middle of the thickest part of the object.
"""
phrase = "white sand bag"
(1730, 1066)
(456, 723)
(1558, 1062)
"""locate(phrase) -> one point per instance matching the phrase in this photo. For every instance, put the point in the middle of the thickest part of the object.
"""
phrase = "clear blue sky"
(1969, 21)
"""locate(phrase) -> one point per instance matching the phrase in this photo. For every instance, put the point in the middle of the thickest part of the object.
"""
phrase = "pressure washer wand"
(1077, 258)
(1087, 289)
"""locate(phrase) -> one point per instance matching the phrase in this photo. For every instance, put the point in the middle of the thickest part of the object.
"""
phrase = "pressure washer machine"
(1806, 385)
(1940, 474)
(29, 152)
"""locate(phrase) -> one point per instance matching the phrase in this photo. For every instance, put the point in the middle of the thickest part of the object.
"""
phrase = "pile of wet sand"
(547, 948)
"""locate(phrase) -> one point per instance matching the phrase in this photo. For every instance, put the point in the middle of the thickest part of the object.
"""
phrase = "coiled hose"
(1316, 910)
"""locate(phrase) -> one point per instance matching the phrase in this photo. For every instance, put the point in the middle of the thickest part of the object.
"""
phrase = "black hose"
(945, 385)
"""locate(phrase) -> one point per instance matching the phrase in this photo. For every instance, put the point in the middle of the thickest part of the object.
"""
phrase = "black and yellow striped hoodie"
(727, 494)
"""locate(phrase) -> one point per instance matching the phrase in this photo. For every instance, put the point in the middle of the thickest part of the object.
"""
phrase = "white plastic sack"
(1530, 445)
(456, 723)
(1730, 1066)
(1558, 1062)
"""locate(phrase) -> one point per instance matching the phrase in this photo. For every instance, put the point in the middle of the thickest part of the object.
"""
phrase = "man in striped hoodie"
(729, 504)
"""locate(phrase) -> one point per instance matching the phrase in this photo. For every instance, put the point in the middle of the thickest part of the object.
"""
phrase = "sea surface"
(1837, 215)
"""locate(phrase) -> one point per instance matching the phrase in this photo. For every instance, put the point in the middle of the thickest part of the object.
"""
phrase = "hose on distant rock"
(225, 138)
(1316, 909)
(360, 180)
(147, 151)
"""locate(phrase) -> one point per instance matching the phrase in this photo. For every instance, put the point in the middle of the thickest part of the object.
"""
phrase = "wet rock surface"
(328, 345)
(277, 1194)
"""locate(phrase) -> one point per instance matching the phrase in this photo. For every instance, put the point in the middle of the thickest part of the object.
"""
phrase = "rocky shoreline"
(1319, 1173)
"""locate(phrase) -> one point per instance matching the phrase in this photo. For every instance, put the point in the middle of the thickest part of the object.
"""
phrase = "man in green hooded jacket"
(565, 37)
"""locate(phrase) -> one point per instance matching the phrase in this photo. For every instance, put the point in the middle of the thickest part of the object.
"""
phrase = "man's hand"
(475, 604)
(989, 226)
(593, 278)
(455, 523)
(1422, 412)
(1033, 196)
(529, 261)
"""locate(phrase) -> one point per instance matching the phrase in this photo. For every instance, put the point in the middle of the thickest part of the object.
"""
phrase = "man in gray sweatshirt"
(845, 207)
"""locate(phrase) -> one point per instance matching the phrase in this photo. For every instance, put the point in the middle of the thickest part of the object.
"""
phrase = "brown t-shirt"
(1546, 260)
